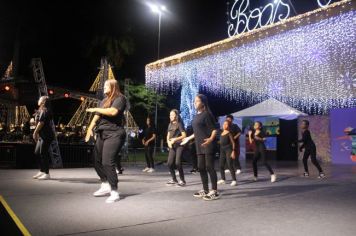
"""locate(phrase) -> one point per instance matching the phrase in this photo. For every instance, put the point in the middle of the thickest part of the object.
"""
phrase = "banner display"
(343, 135)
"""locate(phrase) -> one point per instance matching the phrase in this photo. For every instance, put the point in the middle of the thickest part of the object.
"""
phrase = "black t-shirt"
(225, 141)
(259, 143)
(113, 123)
(307, 140)
(47, 131)
(149, 132)
(203, 125)
(175, 130)
(235, 129)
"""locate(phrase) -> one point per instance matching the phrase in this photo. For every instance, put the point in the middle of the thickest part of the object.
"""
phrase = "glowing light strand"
(324, 4)
(241, 21)
(304, 63)
(190, 88)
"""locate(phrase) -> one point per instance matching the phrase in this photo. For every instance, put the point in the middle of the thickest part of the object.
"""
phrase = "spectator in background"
(149, 143)
(26, 131)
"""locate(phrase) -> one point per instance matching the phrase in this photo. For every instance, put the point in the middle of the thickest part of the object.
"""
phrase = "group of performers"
(108, 128)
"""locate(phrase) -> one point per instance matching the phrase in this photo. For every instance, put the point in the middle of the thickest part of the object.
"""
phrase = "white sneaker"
(171, 183)
(181, 184)
(146, 169)
(233, 183)
(238, 171)
(321, 175)
(151, 170)
(38, 175)
(227, 171)
(44, 177)
(273, 178)
(255, 178)
(114, 197)
(200, 194)
(103, 191)
(221, 181)
(212, 195)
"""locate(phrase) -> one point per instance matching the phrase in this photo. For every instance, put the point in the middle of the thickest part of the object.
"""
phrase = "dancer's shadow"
(78, 180)
(277, 191)
(136, 181)
(123, 196)
(262, 180)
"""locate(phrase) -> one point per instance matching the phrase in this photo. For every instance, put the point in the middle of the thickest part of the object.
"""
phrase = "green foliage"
(144, 98)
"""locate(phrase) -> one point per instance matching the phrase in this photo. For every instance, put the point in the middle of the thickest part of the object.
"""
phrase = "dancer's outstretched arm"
(187, 139)
(110, 111)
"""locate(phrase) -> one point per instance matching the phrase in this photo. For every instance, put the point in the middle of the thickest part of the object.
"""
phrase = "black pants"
(42, 152)
(175, 161)
(193, 155)
(107, 146)
(237, 164)
(225, 158)
(260, 152)
(149, 156)
(312, 153)
(118, 162)
(206, 165)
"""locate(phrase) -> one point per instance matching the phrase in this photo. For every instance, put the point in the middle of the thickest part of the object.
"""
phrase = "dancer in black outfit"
(204, 133)
(227, 154)
(109, 123)
(149, 143)
(310, 150)
(44, 136)
(175, 135)
(258, 136)
(236, 133)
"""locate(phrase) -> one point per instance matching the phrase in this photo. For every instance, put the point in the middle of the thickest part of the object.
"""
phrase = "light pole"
(158, 9)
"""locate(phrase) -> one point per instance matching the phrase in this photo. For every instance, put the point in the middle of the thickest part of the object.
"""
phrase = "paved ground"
(291, 206)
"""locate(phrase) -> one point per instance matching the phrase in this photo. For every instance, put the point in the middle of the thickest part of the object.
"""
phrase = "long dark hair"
(114, 93)
(179, 118)
(205, 102)
(306, 122)
(151, 124)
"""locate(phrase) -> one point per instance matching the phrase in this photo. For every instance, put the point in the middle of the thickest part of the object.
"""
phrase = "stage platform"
(291, 206)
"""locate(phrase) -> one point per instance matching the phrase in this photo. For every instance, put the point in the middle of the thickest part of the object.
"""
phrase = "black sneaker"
(171, 182)
(181, 184)
(306, 174)
(194, 171)
(200, 194)
(212, 195)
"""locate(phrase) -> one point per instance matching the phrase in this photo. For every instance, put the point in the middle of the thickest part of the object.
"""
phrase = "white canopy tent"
(270, 107)
(267, 108)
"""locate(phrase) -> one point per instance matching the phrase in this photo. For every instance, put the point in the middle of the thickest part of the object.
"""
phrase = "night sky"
(60, 32)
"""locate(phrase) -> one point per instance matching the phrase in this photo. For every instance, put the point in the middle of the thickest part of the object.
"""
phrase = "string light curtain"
(311, 67)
